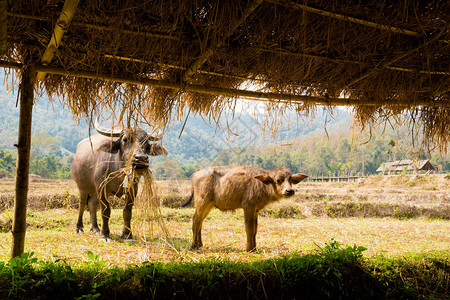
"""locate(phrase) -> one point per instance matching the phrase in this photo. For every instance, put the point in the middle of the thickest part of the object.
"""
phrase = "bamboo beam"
(145, 34)
(3, 25)
(176, 67)
(282, 51)
(62, 25)
(237, 93)
(196, 64)
(290, 4)
(101, 27)
(199, 88)
(402, 69)
(166, 84)
(10, 65)
(23, 160)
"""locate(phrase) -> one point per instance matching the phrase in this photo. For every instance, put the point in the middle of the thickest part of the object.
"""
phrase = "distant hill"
(48, 118)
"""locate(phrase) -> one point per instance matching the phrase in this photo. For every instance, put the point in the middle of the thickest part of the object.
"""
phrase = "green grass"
(332, 271)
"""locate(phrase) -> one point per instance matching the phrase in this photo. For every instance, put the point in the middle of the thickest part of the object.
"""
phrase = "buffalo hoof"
(127, 236)
(196, 247)
(105, 239)
(79, 230)
(95, 230)
(130, 242)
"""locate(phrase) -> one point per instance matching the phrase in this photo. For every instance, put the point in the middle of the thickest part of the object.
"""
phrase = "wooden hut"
(158, 60)
(407, 165)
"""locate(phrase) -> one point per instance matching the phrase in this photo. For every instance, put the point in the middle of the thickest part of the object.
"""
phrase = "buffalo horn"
(154, 138)
(115, 132)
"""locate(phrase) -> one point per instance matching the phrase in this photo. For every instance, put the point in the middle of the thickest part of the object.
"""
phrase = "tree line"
(46, 166)
(336, 154)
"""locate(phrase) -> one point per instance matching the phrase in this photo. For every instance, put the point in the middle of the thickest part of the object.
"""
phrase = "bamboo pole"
(127, 31)
(3, 25)
(325, 13)
(23, 160)
(62, 25)
(176, 67)
(282, 51)
(101, 27)
(237, 93)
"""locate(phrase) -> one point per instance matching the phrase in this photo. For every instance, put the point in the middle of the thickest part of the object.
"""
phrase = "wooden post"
(23, 160)
(3, 26)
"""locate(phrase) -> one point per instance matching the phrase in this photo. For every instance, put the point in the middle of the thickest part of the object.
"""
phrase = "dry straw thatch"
(389, 58)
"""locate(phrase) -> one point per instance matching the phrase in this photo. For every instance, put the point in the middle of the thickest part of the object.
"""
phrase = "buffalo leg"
(201, 211)
(127, 213)
(106, 214)
(92, 206)
(251, 226)
(83, 201)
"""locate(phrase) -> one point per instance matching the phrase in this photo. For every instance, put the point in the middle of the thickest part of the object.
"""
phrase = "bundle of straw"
(148, 209)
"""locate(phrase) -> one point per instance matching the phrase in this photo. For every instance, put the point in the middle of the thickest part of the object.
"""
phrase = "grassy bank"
(331, 272)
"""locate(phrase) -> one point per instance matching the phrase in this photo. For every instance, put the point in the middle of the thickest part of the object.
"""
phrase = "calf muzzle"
(289, 193)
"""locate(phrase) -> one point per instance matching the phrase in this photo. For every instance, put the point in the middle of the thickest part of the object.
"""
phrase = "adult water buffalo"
(98, 169)
(229, 188)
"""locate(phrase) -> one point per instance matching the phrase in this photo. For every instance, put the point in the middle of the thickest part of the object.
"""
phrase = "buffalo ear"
(296, 178)
(156, 149)
(110, 146)
(264, 178)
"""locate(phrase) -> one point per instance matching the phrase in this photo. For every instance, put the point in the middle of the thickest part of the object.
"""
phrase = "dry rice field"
(391, 216)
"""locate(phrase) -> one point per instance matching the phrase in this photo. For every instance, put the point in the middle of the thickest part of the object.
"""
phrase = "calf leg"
(201, 211)
(106, 214)
(93, 206)
(251, 226)
(83, 200)
(127, 213)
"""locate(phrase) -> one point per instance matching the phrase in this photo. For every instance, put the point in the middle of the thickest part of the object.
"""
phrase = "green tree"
(51, 166)
(42, 143)
(186, 171)
(7, 163)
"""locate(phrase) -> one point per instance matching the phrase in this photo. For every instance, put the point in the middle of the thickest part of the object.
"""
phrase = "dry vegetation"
(388, 215)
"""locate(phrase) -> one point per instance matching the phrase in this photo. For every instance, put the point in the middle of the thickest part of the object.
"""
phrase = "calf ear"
(264, 178)
(111, 146)
(296, 178)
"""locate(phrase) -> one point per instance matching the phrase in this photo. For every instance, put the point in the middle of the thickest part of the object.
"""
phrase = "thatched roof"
(407, 165)
(384, 58)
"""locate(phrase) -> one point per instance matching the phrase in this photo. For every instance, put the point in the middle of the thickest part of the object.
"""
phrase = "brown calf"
(229, 188)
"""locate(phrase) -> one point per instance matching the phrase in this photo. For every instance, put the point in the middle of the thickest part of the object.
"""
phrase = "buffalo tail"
(189, 201)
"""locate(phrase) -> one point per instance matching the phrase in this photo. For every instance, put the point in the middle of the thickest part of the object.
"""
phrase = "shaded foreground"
(333, 272)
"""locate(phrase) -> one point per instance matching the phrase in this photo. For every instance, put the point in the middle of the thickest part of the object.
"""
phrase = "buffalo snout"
(140, 161)
(289, 193)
